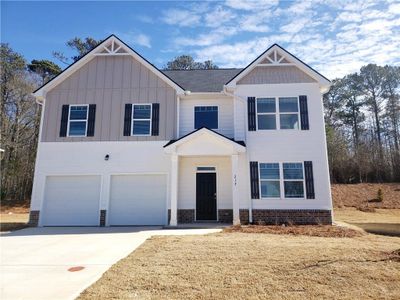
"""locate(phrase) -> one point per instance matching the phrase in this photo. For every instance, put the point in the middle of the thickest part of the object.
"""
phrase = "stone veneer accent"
(34, 218)
(184, 216)
(292, 216)
(226, 216)
(103, 214)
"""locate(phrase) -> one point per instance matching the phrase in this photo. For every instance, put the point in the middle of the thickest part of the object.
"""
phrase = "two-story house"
(124, 143)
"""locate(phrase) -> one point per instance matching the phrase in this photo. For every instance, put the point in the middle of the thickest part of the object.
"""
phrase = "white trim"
(194, 115)
(80, 120)
(150, 119)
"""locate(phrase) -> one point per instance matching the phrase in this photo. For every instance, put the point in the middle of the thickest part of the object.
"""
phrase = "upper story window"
(206, 116)
(77, 120)
(289, 113)
(273, 113)
(141, 119)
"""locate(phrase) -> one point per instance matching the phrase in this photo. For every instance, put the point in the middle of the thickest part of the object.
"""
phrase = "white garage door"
(71, 201)
(138, 200)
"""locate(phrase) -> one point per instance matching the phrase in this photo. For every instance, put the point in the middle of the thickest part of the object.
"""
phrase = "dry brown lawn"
(13, 221)
(255, 266)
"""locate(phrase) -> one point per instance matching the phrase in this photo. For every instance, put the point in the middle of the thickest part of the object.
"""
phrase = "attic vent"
(112, 48)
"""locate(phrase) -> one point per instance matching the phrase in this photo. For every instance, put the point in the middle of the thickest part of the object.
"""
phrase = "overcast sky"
(335, 37)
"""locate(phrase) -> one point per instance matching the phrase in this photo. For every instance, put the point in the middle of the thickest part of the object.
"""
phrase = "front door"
(206, 196)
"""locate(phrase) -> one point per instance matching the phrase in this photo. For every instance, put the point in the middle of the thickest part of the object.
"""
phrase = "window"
(289, 113)
(206, 116)
(205, 169)
(77, 121)
(141, 119)
(269, 179)
(266, 113)
(293, 180)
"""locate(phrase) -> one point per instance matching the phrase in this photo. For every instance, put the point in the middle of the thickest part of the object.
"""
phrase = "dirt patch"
(364, 195)
(11, 221)
(308, 230)
(12, 206)
(254, 266)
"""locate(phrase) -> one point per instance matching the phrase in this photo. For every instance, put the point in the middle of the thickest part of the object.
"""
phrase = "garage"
(71, 201)
(138, 200)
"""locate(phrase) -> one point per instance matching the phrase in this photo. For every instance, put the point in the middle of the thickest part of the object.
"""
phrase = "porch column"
(235, 197)
(174, 190)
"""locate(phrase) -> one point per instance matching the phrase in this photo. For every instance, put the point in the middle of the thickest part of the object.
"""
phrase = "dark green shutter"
(91, 120)
(64, 120)
(304, 113)
(308, 171)
(251, 113)
(254, 182)
(128, 119)
(155, 119)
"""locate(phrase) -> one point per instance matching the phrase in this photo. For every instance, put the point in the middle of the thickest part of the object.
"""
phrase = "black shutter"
(304, 113)
(254, 183)
(64, 120)
(251, 113)
(91, 120)
(308, 171)
(155, 119)
(128, 119)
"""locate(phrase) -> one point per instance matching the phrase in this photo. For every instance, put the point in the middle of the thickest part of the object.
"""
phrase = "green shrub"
(379, 197)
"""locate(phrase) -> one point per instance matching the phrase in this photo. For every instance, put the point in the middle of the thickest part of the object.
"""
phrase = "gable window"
(266, 113)
(141, 119)
(206, 116)
(270, 180)
(77, 120)
(293, 180)
(288, 113)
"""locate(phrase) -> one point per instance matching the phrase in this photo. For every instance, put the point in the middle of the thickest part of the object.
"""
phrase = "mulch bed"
(308, 230)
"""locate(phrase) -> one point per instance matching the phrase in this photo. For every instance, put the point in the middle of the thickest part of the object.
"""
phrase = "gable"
(276, 65)
(113, 48)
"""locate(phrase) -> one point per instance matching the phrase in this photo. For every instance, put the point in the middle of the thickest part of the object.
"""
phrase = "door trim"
(216, 189)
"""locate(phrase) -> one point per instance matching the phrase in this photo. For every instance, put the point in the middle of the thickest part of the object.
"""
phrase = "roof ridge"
(221, 69)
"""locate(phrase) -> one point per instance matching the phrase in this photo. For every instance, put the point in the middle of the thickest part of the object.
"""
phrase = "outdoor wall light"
(107, 157)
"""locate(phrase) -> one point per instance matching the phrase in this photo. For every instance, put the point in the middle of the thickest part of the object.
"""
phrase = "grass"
(255, 266)
(13, 221)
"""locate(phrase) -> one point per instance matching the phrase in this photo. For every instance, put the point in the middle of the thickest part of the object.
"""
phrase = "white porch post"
(174, 190)
(235, 197)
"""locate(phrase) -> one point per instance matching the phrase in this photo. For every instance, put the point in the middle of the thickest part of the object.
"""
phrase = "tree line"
(361, 112)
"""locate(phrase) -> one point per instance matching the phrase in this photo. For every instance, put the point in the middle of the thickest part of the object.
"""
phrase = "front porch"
(204, 179)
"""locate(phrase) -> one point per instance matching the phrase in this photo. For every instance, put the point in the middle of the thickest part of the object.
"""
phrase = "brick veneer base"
(184, 216)
(292, 216)
(34, 218)
(103, 214)
(226, 216)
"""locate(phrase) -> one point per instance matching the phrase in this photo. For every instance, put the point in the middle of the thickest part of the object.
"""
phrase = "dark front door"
(206, 196)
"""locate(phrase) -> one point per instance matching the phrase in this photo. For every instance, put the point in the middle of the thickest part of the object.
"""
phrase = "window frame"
(267, 113)
(278, 113)
(80, 120)
(282, 181)
(290, 113)
(194, 115)
(150, 119)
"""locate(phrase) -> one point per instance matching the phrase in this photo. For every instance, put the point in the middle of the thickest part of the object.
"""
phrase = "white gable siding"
(225, 114)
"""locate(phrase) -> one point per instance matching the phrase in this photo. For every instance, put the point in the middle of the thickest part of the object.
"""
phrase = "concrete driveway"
(35, 262)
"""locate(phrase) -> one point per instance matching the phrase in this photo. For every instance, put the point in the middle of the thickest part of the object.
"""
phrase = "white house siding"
(291, 145)
(87, 158)
(225, 114)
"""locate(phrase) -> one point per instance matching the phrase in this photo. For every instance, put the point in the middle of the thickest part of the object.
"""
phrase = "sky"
(336, 37)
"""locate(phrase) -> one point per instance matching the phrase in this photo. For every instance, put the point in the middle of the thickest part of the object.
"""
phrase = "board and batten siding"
(225, 114)
(276, 75)
(110, 83)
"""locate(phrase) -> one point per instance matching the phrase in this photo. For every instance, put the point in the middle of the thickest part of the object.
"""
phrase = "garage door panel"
(138, 200)
(72, 201)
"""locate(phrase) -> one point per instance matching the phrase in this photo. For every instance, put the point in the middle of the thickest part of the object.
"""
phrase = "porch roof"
(205, 141)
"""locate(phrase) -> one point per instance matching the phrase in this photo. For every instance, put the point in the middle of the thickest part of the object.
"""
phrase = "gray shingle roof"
(211, 80)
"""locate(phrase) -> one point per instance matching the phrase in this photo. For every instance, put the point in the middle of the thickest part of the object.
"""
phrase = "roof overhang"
(100, 50)
(204, 142)
(324, 82)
